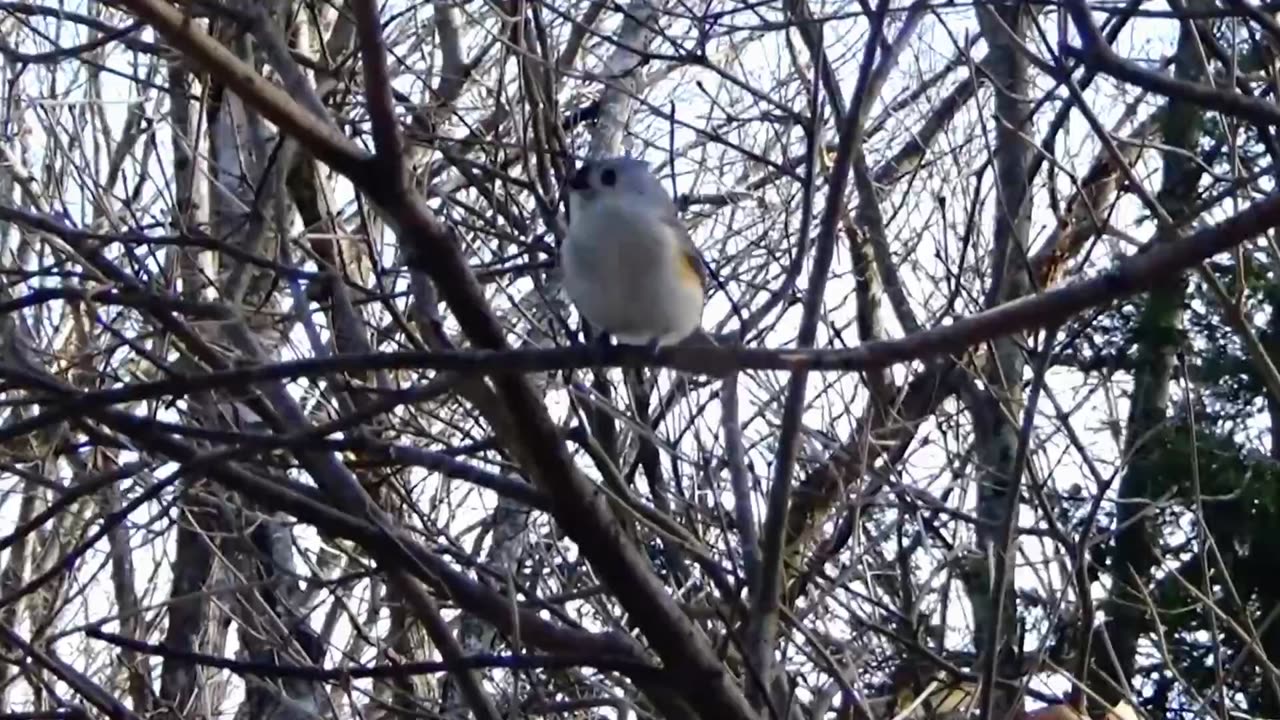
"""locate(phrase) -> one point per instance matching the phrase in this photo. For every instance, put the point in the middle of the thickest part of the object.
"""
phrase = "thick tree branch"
(1128, 277)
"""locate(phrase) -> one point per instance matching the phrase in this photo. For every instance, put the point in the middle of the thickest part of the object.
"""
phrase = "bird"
(627, 261)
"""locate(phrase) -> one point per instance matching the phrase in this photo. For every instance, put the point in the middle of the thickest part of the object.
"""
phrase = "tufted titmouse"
(628, 262)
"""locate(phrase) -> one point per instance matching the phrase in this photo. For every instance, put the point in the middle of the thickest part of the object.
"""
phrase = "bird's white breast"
(621, 270)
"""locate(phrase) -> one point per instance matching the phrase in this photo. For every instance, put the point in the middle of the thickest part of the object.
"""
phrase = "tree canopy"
(297, 421)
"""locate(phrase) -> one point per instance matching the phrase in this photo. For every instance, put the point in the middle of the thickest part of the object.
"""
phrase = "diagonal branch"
(321, 139)
(578, 505)
(388, 142)
(1095, 52)
(109, 706)
(625, 665)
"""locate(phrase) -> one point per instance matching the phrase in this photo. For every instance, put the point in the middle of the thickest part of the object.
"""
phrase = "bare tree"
(298, 423)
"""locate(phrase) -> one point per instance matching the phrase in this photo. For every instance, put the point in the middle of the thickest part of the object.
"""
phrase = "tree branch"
(1095, 52)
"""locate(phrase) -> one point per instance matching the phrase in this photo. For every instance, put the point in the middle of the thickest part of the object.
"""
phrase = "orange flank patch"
(689, 269)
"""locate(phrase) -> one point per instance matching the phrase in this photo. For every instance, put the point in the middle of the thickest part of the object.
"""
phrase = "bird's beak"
(580, 179)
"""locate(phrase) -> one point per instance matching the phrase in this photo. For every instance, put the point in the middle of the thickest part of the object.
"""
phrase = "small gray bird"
(628, 263)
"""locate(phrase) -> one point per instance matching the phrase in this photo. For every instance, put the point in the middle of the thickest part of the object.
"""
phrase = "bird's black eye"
(608, 177)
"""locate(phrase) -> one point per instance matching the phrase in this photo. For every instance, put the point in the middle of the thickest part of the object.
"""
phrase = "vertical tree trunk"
(188, 616)
(1157, 338)
(997, 416)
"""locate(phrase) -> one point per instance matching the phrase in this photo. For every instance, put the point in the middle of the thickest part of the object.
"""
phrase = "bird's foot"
(651, 349)
(600, 346)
